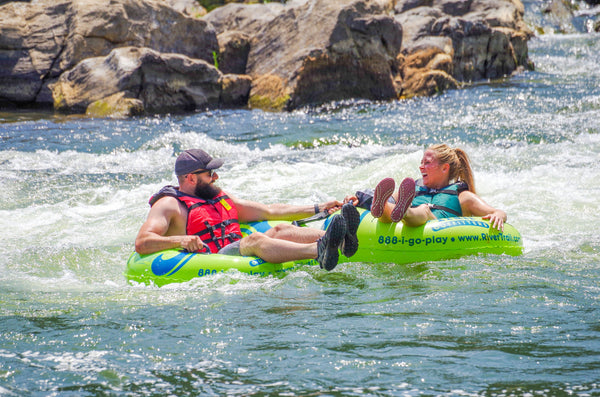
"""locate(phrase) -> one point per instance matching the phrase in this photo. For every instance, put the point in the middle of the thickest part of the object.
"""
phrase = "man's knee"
(249, 244)
(279, 230)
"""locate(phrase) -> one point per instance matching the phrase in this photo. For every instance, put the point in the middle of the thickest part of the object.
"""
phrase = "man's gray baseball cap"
(194, 160)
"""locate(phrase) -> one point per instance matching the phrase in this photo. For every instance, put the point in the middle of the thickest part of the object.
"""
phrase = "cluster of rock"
(140, 56)
(563, 16)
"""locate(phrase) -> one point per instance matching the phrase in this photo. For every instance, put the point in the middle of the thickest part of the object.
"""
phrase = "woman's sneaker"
(327, 246)
(383, 191)
(352, 218)
(406, 194)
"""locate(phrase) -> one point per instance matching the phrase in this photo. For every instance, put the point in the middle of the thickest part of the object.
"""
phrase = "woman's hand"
(497, 219)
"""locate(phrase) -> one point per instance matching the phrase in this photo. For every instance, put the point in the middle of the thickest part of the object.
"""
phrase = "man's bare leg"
(294, 233)
(276, 250)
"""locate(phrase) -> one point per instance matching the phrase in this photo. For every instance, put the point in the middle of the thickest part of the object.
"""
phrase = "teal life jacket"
(443, 202)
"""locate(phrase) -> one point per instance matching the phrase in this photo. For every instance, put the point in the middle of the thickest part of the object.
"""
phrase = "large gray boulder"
(486, 39)
(313, 51)
(316, 51)
(144, 55)
(42, 39)
(158, 82)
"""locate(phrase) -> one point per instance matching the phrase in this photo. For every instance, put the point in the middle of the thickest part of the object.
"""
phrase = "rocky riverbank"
(150, 56)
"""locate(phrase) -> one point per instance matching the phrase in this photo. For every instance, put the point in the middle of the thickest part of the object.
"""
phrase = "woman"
(447, 189)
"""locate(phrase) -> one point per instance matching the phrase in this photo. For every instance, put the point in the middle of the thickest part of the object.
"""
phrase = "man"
(199, 217)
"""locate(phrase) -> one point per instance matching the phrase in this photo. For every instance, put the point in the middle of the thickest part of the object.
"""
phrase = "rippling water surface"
(75, 193)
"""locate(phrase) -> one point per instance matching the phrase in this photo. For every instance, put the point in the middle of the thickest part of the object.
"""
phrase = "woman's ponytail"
(465, 173)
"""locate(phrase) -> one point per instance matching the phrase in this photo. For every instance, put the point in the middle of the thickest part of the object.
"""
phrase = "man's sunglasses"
(210, 172)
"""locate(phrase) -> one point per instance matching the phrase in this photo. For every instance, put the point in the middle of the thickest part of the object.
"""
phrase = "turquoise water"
(75, 193)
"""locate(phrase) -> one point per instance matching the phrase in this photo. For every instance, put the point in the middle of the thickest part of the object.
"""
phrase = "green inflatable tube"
(176, 266)
(378, 243)
(436, 240)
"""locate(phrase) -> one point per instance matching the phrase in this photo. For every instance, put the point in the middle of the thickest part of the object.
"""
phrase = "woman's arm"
(473, 205)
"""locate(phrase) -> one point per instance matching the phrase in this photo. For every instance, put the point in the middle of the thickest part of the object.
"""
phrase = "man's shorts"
(231, 249)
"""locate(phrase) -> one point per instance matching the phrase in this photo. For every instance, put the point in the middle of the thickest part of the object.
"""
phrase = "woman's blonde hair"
(460, 166)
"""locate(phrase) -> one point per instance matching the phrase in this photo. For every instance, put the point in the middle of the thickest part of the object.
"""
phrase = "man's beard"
(206, 191)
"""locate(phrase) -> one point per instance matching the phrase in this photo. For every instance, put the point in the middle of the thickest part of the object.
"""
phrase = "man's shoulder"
(168, 204)
(166, 199)
(165, 191)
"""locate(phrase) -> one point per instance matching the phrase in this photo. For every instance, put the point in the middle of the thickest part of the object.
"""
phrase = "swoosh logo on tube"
(162, 267)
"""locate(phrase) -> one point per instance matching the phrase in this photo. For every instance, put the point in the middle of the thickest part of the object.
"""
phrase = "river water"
(75, 193)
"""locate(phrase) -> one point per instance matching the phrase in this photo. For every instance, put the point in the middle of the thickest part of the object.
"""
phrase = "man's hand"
(331, 206)
(191, 243)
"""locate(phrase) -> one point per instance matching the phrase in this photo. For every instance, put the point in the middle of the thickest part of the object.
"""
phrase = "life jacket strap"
(435, 191)
(219, 242)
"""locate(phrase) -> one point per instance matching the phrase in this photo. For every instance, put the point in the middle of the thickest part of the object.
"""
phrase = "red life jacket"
(215, 221)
